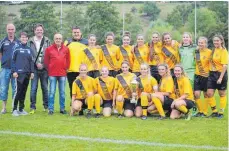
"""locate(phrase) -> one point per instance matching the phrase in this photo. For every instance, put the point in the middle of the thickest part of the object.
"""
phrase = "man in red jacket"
(57, 62)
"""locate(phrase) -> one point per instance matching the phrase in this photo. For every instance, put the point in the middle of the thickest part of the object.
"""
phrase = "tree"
(206, 22)
(133, 25)
(151, 10)
(74, 17)
(162, 27)
(38, 12)
(179, 16)
(221, 10)
(3, 19)
(103, 17)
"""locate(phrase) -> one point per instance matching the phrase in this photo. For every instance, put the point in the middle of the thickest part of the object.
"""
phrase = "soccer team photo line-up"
(161, 76)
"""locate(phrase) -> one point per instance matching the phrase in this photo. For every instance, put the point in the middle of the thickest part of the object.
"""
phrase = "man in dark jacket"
(7, 46)
(40, 72)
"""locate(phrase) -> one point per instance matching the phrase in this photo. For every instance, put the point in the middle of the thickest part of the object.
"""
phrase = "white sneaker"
(23, 112)
(15, 113)
(115, 111)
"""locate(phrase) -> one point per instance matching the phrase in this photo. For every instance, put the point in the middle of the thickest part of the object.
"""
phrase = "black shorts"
(212, 81)
(94, 73)
(128, 105)
(189, 104)
(137, 73)
(113, 73)
(107, 103)
(200, 83)
(84, 105)
(154, 73)
(167, 103)
(139, 102)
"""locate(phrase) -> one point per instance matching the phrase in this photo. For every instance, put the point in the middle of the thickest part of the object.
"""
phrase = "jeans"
(52, 91)
(43, 76)
(5, 78)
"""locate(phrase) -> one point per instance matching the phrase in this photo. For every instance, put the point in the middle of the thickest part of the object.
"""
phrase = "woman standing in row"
(218, 75)
(140, 53)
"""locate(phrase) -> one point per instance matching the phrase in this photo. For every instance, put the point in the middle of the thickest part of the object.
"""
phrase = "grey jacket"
(32, 45)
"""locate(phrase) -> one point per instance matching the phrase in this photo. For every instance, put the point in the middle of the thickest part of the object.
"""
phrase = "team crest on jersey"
(6, 43)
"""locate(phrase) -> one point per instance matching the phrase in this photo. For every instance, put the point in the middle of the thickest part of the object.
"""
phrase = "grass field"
(174, 134)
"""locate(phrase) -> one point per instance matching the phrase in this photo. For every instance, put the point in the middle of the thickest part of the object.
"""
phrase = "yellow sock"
(205, 106)
(144, 104)
(199, 105)
(183, 109)
(90, 102)
(158, 105)
(223, 103)
(119, 106)
(212, 103)
(97, 99)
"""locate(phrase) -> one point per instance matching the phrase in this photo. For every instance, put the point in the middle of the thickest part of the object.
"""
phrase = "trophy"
(134, 87)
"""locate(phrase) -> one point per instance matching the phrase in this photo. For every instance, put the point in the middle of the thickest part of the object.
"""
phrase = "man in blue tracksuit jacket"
(23, 70)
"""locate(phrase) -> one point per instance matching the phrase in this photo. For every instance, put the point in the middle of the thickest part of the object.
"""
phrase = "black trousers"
(154, 73)
(71, 77)
(21, 88)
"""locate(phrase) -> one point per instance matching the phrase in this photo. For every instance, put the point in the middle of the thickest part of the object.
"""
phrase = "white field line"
(114, 141)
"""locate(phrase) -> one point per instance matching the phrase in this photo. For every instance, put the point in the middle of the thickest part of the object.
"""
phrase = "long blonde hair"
(182, 69)
(166, 68)
(221, 38)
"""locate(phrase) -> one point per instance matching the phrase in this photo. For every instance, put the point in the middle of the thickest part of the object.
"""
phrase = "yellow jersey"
(219, 58)
(92, 58)
(76, 54)
(124, 54)
(167, 85)
(146, 84)
(81, 87)
(203, 62)
(139, 57)
(111, 60)
(171, 57)
(184, 87)
(105, 87)
(158, 57)
(123, 88)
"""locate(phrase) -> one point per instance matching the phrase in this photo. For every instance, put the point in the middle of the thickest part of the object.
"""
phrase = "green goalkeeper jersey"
(187, 56)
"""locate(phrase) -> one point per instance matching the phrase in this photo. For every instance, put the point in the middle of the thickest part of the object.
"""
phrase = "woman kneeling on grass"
(122, 91)
(163, 99)
(83, 92)
(105, 87)
(147, 85)
(184, 94)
